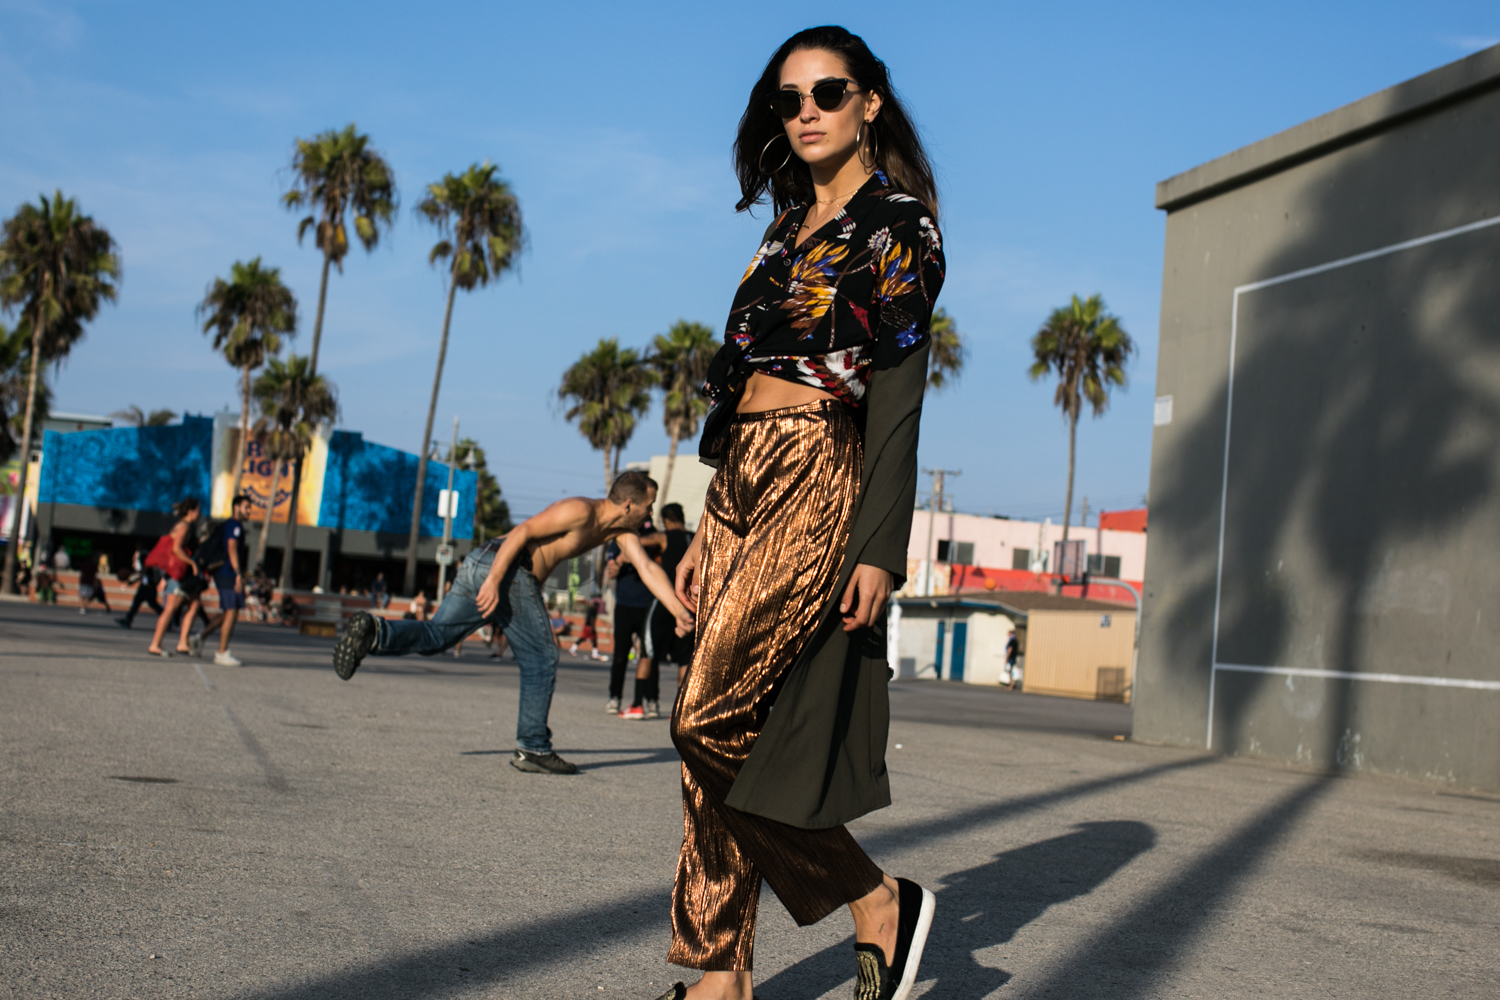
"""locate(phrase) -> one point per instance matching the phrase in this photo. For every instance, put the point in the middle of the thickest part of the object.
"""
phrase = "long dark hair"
(899, 152)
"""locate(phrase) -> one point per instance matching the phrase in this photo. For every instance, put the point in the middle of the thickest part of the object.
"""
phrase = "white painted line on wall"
(1234, 324)
(1347, 675)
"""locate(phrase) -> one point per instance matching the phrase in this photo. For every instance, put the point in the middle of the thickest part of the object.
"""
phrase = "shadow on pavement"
(638, 755)
(447, 969)
(896, 837)
(1142, 946)
(985, 906)
(435, 971)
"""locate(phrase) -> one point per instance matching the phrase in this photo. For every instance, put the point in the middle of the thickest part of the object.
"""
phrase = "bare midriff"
(766, 392)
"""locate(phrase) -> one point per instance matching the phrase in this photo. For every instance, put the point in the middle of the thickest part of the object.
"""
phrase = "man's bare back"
(572, 527)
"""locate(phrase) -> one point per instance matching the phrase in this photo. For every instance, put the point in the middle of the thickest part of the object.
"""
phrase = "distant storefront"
(1069, 647)
(112, 489)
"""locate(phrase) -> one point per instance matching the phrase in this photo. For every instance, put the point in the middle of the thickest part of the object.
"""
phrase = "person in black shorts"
(226, 566)
(632, 611)
(664, 643)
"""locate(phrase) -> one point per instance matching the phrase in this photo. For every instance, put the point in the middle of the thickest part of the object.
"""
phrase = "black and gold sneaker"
(677, 992)
(875, 981)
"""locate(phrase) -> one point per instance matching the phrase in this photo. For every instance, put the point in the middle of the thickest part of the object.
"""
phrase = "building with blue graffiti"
(112, 490)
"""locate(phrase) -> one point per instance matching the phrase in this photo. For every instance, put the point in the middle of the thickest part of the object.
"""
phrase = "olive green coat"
(820, 758)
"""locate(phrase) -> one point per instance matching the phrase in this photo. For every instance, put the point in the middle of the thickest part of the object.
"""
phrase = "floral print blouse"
(859, 292)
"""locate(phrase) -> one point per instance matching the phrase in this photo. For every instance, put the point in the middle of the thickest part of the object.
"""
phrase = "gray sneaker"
(612, 706)
(541, 763)
(195, 644)
(359, 638)
(653, 710)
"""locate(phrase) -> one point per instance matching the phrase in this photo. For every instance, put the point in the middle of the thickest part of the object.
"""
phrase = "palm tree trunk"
(416, 503)
(244, 448)
(8, 580)
(1072, 453)
(312, 362)
(607, 481)
(291, 528)
(1067, 508)
(265, 530)
(666, 479)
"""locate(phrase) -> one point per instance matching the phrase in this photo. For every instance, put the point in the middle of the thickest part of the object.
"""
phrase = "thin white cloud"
(59, 25)
(1470, 43)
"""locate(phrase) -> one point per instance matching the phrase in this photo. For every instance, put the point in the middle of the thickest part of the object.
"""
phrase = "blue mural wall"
(368, 487)
(129, 468)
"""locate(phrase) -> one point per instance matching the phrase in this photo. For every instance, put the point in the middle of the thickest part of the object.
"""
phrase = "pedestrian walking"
(380, 591)
(147, 580)
(499, 584)
(172, 556)
(225, 565)
(818, 396)
(1012, 675)
(590, 632)
(45, 584)
(91, 583)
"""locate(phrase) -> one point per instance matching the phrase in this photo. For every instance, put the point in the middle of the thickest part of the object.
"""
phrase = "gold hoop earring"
(859, 145)
(761, 161)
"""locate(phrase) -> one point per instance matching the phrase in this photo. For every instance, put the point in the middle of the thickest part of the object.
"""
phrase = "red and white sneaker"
(635, 712)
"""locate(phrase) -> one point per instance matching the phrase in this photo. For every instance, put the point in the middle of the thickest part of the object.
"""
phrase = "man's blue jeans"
(521, 615)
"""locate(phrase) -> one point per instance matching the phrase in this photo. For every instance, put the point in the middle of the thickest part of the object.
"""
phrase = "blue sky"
(172, 124)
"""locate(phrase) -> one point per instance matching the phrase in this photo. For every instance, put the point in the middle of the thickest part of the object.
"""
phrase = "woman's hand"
(864, 599)
(686, 583)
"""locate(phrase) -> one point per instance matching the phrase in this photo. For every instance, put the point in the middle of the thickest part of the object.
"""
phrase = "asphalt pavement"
(171, 828)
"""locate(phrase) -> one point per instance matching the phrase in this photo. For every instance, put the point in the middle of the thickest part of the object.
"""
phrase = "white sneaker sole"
(918, 942)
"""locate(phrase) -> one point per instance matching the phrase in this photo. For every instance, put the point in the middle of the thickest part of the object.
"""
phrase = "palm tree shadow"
(985, 906)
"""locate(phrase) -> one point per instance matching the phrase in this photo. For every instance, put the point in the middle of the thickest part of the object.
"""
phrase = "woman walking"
(173, 557)
(818, 395)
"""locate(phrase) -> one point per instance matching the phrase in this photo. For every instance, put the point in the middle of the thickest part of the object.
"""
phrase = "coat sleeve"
(911, 273)
(888, 486)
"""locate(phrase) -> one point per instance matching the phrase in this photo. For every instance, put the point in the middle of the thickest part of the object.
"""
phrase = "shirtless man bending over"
(500, 584)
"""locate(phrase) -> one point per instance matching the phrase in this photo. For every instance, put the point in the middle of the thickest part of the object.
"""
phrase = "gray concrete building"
(1323, 584)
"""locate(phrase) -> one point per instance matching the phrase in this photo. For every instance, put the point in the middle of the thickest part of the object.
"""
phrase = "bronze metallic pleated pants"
(775, 523)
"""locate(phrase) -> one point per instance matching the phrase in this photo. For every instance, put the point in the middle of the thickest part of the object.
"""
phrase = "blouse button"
(786, 261)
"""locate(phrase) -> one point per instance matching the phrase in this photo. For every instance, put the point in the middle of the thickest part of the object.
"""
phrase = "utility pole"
(445, 550)
(936, 502)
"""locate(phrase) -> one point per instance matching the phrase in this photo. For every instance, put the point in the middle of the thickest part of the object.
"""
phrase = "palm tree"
(248, 315)
(479, 224)
(293, 402)
(137, 417)
(1088, 348)
(58, 266)
(336, 175)
(946, 361)
(609, 388)
(15, 377)
(680, 358)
